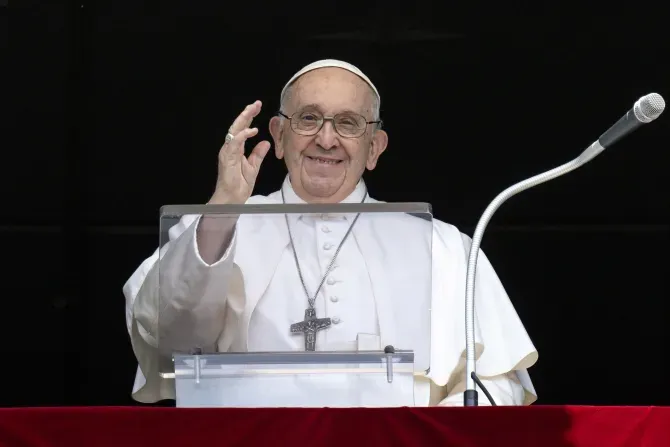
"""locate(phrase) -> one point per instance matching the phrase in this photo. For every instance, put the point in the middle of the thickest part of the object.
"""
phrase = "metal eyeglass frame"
(328, 118)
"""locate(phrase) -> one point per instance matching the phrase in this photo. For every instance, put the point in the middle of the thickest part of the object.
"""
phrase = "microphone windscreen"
(649, 107)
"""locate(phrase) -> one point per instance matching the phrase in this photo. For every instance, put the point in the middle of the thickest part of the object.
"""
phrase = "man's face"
(326, 167)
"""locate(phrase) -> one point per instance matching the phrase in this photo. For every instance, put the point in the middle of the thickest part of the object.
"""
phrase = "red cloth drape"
(535, 426)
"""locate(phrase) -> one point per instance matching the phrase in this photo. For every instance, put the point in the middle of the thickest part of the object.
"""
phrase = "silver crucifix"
(309, 327)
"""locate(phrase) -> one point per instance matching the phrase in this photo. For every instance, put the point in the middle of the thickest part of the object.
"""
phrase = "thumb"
(258, 154)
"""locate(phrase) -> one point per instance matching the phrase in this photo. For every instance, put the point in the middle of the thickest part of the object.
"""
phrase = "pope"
(306, 282)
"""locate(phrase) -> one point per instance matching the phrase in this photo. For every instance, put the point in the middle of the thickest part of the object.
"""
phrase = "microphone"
(645, 110)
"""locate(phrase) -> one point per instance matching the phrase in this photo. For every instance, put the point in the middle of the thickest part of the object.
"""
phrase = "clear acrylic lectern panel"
(238, 322)
(296, 379)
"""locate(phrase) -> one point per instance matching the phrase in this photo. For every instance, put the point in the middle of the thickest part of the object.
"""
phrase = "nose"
(327, 136)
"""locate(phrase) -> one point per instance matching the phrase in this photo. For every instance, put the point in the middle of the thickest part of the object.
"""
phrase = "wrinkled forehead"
(331, 90)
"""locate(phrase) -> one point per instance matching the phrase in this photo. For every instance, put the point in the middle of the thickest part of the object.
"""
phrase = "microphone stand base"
(470, 398)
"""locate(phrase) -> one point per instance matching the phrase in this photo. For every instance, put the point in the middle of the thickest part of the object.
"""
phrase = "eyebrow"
(316, 107)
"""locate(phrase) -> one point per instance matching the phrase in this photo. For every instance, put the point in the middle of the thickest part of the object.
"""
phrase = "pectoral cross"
(309, 327)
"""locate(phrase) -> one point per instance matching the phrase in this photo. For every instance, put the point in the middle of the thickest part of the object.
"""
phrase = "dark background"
(121, 107)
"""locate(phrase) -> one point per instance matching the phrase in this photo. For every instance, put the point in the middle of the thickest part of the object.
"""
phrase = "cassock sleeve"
(503, 348)
(184, 300)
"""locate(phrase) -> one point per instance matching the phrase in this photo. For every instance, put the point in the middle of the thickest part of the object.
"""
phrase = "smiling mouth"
(325, 161)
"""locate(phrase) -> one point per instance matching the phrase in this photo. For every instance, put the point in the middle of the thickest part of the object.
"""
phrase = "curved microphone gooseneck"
(645, 110)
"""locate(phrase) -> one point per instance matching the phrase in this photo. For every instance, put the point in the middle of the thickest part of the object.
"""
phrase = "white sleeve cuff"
(197, 252)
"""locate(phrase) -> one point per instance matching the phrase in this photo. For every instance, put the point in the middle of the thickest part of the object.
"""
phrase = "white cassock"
(253, 294)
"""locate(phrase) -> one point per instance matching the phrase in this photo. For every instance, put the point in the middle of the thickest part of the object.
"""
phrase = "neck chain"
(332, 262)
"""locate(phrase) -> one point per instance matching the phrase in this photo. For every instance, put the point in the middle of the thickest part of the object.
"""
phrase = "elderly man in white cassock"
(256, 285)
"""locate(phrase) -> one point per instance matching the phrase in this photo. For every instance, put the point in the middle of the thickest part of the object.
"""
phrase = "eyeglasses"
(348, 125)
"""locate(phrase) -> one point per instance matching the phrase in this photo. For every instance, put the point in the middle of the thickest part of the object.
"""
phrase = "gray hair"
(376, 112)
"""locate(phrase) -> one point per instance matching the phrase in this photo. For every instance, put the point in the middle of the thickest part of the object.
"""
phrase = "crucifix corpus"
(309, 328)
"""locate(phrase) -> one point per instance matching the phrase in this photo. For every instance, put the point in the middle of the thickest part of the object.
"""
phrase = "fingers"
(245, 118)
(235, 148)
(252, 166)
(237, 145)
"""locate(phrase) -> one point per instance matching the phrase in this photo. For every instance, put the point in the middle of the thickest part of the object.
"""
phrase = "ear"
(277, 132)
(378, 145)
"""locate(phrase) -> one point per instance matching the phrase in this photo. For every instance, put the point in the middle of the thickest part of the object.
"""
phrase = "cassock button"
(330, 281)
(336, 320)
(325, 229)
(327, 246)
(334, 299)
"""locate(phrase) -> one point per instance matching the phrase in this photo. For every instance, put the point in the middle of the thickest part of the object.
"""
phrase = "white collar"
(355, 197)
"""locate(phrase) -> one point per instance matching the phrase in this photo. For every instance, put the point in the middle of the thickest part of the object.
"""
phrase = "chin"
(322, 187)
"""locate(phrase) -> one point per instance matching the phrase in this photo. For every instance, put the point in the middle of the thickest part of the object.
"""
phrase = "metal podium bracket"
(196, 364)
(389, 351)
(389, 368)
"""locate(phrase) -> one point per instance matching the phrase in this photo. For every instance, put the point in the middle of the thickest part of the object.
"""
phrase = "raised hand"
(237, 173)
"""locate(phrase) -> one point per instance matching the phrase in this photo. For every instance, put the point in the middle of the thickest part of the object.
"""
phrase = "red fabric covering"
(535, 426)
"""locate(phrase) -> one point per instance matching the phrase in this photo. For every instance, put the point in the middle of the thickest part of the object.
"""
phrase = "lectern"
(363, 340)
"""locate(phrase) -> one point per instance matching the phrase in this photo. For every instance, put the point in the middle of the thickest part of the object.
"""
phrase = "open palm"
(237, 172)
